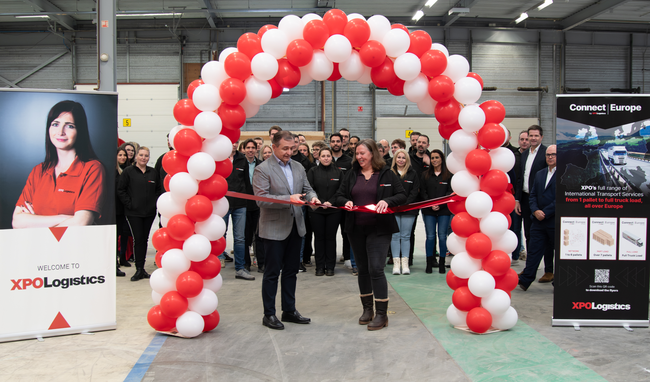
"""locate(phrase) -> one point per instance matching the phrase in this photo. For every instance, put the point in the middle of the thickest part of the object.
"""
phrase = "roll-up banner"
(57, 212)
(602, 210)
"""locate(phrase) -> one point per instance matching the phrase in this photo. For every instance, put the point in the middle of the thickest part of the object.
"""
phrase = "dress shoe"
(260, 268)
(320, 272)
(306, 262)
(124, 263)
(524, 288)
(547, 278)
(139, 275)
(228, 258)
(272, 322)
(355, 271)
(302, 268)
(295, 317)
(329, 272)
(119, 273)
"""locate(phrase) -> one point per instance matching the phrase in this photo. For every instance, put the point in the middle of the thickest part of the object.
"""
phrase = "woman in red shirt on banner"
(67, 188)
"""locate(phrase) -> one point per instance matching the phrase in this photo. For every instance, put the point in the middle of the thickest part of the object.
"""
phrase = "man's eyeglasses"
(551, 155)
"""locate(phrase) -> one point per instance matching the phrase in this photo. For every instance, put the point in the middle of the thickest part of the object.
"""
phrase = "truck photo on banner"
(57, 212)
(603, 189)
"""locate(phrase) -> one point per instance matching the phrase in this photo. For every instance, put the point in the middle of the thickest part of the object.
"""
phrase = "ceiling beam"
(210, 15)
(45, 6)
(448, 19)
(586, 14)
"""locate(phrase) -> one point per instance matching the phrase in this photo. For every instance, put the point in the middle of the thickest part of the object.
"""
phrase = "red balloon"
(336, 74)
(455, 282)
(358, 32)
(276, 89)
(479, 320)
(494, 182)
(441, 88)
(336, 20)
(218, 246)
(223, 168)
(173, 162)
(185, 112)
(447, 130)
(232, 116)
(491, 136)
(187, 142)
(163, 241)
(504, 203)
(180, 227)
(192, 86)
(508, 281)
(158, 259)
(397, 87)
(238, 65)
(299, 52)
(232, 91)
(494, 111)
(214, 188)
(477, 78)
(159, 321)
(434, 62)
(211, 321)
(420, 43)
(372, 53)
(232, 134)
(263, 30)
(208, 268)
(478, 245)
(464, 300)
(383, 75)
(166, 181)
(496, 263)
(400, 26)
(173, 304)
(463, 224)
(198, 208)
(189, 284)
(457, 207)
(250, 44)
(447, 112)
(288, 75)
(478, 162)
(316, 33)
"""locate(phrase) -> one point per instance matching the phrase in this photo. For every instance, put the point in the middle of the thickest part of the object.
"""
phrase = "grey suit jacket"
(276, 220)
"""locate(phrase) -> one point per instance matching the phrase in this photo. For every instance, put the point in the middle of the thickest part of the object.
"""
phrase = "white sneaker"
(405, 266)
(348, 264)
(396, 267)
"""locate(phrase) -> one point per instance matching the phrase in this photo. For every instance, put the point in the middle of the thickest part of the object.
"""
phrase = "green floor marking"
(519, 354)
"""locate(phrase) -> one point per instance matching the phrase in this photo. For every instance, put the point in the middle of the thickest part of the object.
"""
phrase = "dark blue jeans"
(430, 223)
(542, 244)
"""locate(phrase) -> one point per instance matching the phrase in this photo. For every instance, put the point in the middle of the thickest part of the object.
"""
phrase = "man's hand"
(517, 207)
(539, 214)
(297, 198)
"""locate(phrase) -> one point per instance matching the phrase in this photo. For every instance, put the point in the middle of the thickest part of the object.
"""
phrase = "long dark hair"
(82, 145)
(444, 172)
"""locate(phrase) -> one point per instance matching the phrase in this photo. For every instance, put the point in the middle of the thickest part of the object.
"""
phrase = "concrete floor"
(418, 344)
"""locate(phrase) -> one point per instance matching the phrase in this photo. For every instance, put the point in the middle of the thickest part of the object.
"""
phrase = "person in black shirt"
(343, 163)
(248, 162)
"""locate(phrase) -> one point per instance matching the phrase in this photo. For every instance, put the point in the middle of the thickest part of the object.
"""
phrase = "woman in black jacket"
(435, 183)
(325, 180)
(370, 182)
(122, 234)
(402, 240)
(138, 190)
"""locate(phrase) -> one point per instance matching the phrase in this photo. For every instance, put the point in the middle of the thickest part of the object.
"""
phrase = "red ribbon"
(370, 208)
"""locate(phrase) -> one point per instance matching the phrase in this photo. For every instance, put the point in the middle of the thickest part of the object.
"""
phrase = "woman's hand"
(349, 204)
(435, 208)
(382, 206)
(326, 204)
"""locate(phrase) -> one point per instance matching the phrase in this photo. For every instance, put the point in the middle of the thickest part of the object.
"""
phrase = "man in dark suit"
(282, 227)
(542, 232)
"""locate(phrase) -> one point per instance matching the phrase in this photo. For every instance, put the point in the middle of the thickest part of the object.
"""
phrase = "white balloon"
(353, 16)
(275, 42)
(497, 302)
(463, 183)
(164, 220)
(292, 25)
(396, 42)
(471, 118)
(455, 162)
(205, 303)
(155, 296)
(462, 142)
(174, 262)
(502, 159)
(505, 132)
(168, 206)
(258, 92)
(208, 124)
(456, 317)
(197, 247)
(161, 283)
(264, 66)
(463, 265)
(226, 52)
(174, 131)
(250, 109)
(457, 67)
(213, 284)
(507, 243)
(379, 26)
(305, 78)
(338, 48)
(440, 47)
(206, 97)
(213, 228)
(352, 68)
(494, 225)
(183, 186)
(218, 147)
(320, 67)
(201, 166)
(481, 284)
(213, 73)
(365, 78)
(478, 204)
(467, 90)
(427, 105)
(417, 89)
(220, 207)
(455, 243)
(190, 324)
(309, 17)
(407, 66)
(507, 320)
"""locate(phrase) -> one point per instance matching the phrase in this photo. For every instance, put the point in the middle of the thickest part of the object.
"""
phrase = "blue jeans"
(402, 239)
(238, 233)
(430, 222)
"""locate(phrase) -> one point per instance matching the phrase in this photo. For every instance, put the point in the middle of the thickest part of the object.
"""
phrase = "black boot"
(441, 266)
(368, 312)
(435, 260)
(381, 319)
(429, 264)
(123, 261)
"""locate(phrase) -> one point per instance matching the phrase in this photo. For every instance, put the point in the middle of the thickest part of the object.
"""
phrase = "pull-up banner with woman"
(57, 212)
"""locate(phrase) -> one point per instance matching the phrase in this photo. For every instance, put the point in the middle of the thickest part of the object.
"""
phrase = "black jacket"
(251, 205)
(389, 189)
(435, 187)
(538, 164)
(303, 160)
(139, 191)
(411, 184)
(418, 164)
(237, 180)
(325, 180)
(343, 163)
(119, 207)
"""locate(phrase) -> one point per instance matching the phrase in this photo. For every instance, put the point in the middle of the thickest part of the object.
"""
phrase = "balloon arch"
(335, 46)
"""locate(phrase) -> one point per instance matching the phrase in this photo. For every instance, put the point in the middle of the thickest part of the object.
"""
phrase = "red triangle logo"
(59, 322)
(58, 232)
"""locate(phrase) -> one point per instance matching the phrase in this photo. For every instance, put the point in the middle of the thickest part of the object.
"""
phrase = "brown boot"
(381, 318)
(547, 278)
(368, 312)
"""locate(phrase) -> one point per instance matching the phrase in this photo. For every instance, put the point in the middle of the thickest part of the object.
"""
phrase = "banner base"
(611, 323)
(56, 332)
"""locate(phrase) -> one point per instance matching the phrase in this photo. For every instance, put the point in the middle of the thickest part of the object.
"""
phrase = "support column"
(106, 46)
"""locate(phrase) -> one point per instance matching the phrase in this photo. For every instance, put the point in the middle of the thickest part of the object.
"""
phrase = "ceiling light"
(458, 10)
(521, 18)
(430, 3)
(545, 4)
(418, 15)
(33, 17)
(148, 14)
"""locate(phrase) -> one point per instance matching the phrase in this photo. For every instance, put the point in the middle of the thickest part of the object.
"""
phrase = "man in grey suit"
(282, 227)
